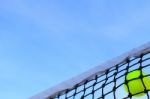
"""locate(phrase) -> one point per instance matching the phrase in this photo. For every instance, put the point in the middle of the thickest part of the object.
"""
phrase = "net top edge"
(80, 79)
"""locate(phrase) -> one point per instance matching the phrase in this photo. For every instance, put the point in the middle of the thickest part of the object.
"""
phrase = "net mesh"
(114, 84)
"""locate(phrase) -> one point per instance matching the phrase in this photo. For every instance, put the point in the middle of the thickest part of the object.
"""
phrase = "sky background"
(45, 42)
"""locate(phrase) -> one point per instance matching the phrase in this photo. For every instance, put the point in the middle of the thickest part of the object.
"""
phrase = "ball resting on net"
(135, 84)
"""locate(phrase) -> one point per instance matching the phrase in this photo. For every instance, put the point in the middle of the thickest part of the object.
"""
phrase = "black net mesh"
(114, 83)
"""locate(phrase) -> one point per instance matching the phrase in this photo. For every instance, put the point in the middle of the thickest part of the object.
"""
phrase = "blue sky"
(44, 42)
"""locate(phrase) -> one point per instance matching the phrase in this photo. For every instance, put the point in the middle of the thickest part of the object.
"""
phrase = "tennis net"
(108, 80)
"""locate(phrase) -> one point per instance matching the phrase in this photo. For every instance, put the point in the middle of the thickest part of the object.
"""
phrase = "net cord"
(88, 75)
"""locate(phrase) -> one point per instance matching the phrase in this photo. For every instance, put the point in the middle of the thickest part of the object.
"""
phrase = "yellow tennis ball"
(135, 83)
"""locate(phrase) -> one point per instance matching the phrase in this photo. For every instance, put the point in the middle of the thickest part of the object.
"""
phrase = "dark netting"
(111, 84)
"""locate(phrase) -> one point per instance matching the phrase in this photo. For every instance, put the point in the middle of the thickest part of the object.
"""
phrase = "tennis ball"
(135, 83)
